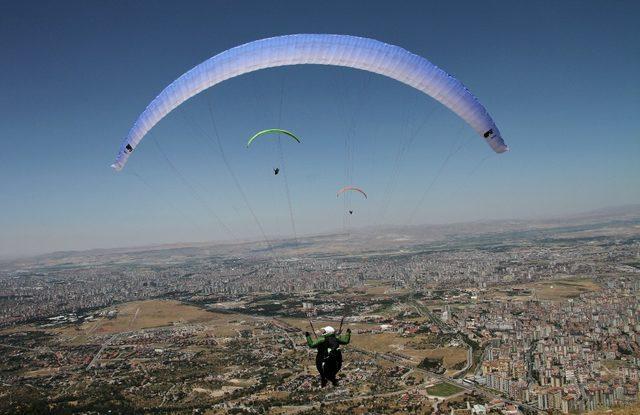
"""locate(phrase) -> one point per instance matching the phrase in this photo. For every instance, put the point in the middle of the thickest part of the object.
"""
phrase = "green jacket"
(342, 339)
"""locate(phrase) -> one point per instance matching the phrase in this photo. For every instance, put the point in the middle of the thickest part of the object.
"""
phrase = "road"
(104, 346)
(466, 367)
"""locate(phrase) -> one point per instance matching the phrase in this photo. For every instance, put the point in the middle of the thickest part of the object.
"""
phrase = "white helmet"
(328, 330)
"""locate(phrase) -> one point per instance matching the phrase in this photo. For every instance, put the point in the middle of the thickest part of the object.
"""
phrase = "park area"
(443, 389)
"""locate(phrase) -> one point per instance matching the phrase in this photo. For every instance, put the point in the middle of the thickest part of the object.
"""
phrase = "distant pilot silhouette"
(276, 170)
(351, 212)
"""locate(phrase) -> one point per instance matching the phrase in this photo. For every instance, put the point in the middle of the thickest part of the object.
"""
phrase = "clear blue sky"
(560, 79)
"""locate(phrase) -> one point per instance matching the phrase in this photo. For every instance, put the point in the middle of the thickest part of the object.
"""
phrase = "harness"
(332, 349)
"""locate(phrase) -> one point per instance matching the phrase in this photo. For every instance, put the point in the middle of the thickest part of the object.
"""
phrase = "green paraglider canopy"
(272, 131)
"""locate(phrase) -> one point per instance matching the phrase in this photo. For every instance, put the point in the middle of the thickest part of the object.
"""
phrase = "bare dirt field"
(562, 289)
(552, 290)
(450, 355)
(140, 315)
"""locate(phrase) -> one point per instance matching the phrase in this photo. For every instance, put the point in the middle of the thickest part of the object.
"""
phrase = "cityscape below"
(502, 317)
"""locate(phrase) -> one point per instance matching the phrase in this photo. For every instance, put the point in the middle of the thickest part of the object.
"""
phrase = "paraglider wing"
(272, 131)
(351, 188)
(322, 49)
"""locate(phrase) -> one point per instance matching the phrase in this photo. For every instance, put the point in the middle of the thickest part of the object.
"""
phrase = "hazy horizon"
(280, 238)
(562, 89)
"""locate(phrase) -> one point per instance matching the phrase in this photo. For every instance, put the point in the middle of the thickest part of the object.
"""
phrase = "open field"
(139, 315)
(443, 389)
(390, 342)
(153, 313)
(552, 290)
(557, 290)
(450, 355)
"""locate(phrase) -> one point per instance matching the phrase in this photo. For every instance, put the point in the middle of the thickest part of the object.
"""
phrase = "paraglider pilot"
(329, 357)
(276, 170)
